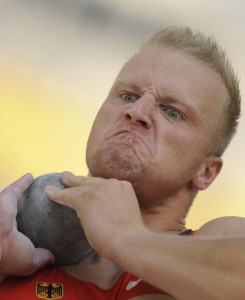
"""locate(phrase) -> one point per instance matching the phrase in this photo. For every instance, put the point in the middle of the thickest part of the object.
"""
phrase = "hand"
(18, 256)
(107, 208)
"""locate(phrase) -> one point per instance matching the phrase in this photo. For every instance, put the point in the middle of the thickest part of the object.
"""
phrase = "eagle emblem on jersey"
(50, 291)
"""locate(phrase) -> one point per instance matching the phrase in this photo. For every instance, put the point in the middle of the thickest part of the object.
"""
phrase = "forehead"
(174, 72)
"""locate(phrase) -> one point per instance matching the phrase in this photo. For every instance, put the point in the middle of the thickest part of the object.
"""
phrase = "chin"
(115, 168)
(112, 172)
(114, 163)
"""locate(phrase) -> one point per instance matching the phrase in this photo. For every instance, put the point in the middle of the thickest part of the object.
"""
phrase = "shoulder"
(223, 227)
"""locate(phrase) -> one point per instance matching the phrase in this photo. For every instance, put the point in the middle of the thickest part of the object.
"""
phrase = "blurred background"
(58, 59)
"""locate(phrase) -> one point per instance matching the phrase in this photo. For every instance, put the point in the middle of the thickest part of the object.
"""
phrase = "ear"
(206, 173)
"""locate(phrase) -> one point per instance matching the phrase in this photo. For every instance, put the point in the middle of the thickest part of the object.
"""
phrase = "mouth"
(129, 138)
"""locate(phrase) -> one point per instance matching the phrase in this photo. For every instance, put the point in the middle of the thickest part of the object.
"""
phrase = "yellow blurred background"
(58, 60)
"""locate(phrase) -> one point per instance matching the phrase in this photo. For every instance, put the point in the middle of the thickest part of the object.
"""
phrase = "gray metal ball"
(51, 225)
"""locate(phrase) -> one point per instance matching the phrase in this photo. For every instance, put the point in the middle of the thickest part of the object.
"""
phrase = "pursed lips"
(130, 133)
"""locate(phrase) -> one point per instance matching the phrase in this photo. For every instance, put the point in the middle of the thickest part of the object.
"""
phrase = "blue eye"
(173, 113)
(129, 97)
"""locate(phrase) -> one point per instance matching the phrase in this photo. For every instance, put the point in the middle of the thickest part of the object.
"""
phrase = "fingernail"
(50, 190)
(66, 174)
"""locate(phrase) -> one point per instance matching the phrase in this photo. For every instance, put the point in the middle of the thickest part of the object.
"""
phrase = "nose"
(140, 112)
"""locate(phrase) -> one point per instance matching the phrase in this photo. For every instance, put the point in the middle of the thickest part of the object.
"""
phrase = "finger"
(23, 181)
(43, 257)
(71, 180)
(28, 265)
(18, 187)
(66, 197)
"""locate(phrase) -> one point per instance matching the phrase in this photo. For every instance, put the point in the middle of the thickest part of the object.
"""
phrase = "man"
(156, 141)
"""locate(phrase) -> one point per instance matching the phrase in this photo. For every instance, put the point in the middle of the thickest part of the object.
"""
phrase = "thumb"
(43, 257)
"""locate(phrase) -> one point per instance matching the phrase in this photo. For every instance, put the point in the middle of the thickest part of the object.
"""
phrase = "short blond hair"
(206, 49)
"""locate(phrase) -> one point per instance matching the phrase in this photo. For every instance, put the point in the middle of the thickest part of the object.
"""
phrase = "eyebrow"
(128, 83)
(172, 99)
(138, 87)
(167, 96)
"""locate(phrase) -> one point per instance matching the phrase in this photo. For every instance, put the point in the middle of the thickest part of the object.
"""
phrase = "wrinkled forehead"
(173, 71)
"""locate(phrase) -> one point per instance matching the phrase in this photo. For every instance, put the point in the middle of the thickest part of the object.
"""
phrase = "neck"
(161, 220)
(101, 272)
(168, 217)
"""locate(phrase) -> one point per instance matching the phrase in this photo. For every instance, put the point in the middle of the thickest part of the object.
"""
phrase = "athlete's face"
(154, 126)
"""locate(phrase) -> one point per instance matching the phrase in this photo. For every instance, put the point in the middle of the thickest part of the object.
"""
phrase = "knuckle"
(119, 183)
(113, 181)
(126, 184)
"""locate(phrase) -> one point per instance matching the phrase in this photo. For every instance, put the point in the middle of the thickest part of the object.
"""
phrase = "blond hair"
(207, 50)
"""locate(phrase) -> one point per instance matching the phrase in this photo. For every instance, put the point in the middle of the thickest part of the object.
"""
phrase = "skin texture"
(147, 153)
(182, 266)
(18, 254)
(144, 129)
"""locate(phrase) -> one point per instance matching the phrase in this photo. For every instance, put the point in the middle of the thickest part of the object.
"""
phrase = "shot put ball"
(51, 225)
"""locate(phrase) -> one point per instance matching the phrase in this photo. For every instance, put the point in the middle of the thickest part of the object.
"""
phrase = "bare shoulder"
(224, 227)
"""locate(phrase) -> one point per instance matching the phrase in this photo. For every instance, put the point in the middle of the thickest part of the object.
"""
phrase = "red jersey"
(54, 282)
